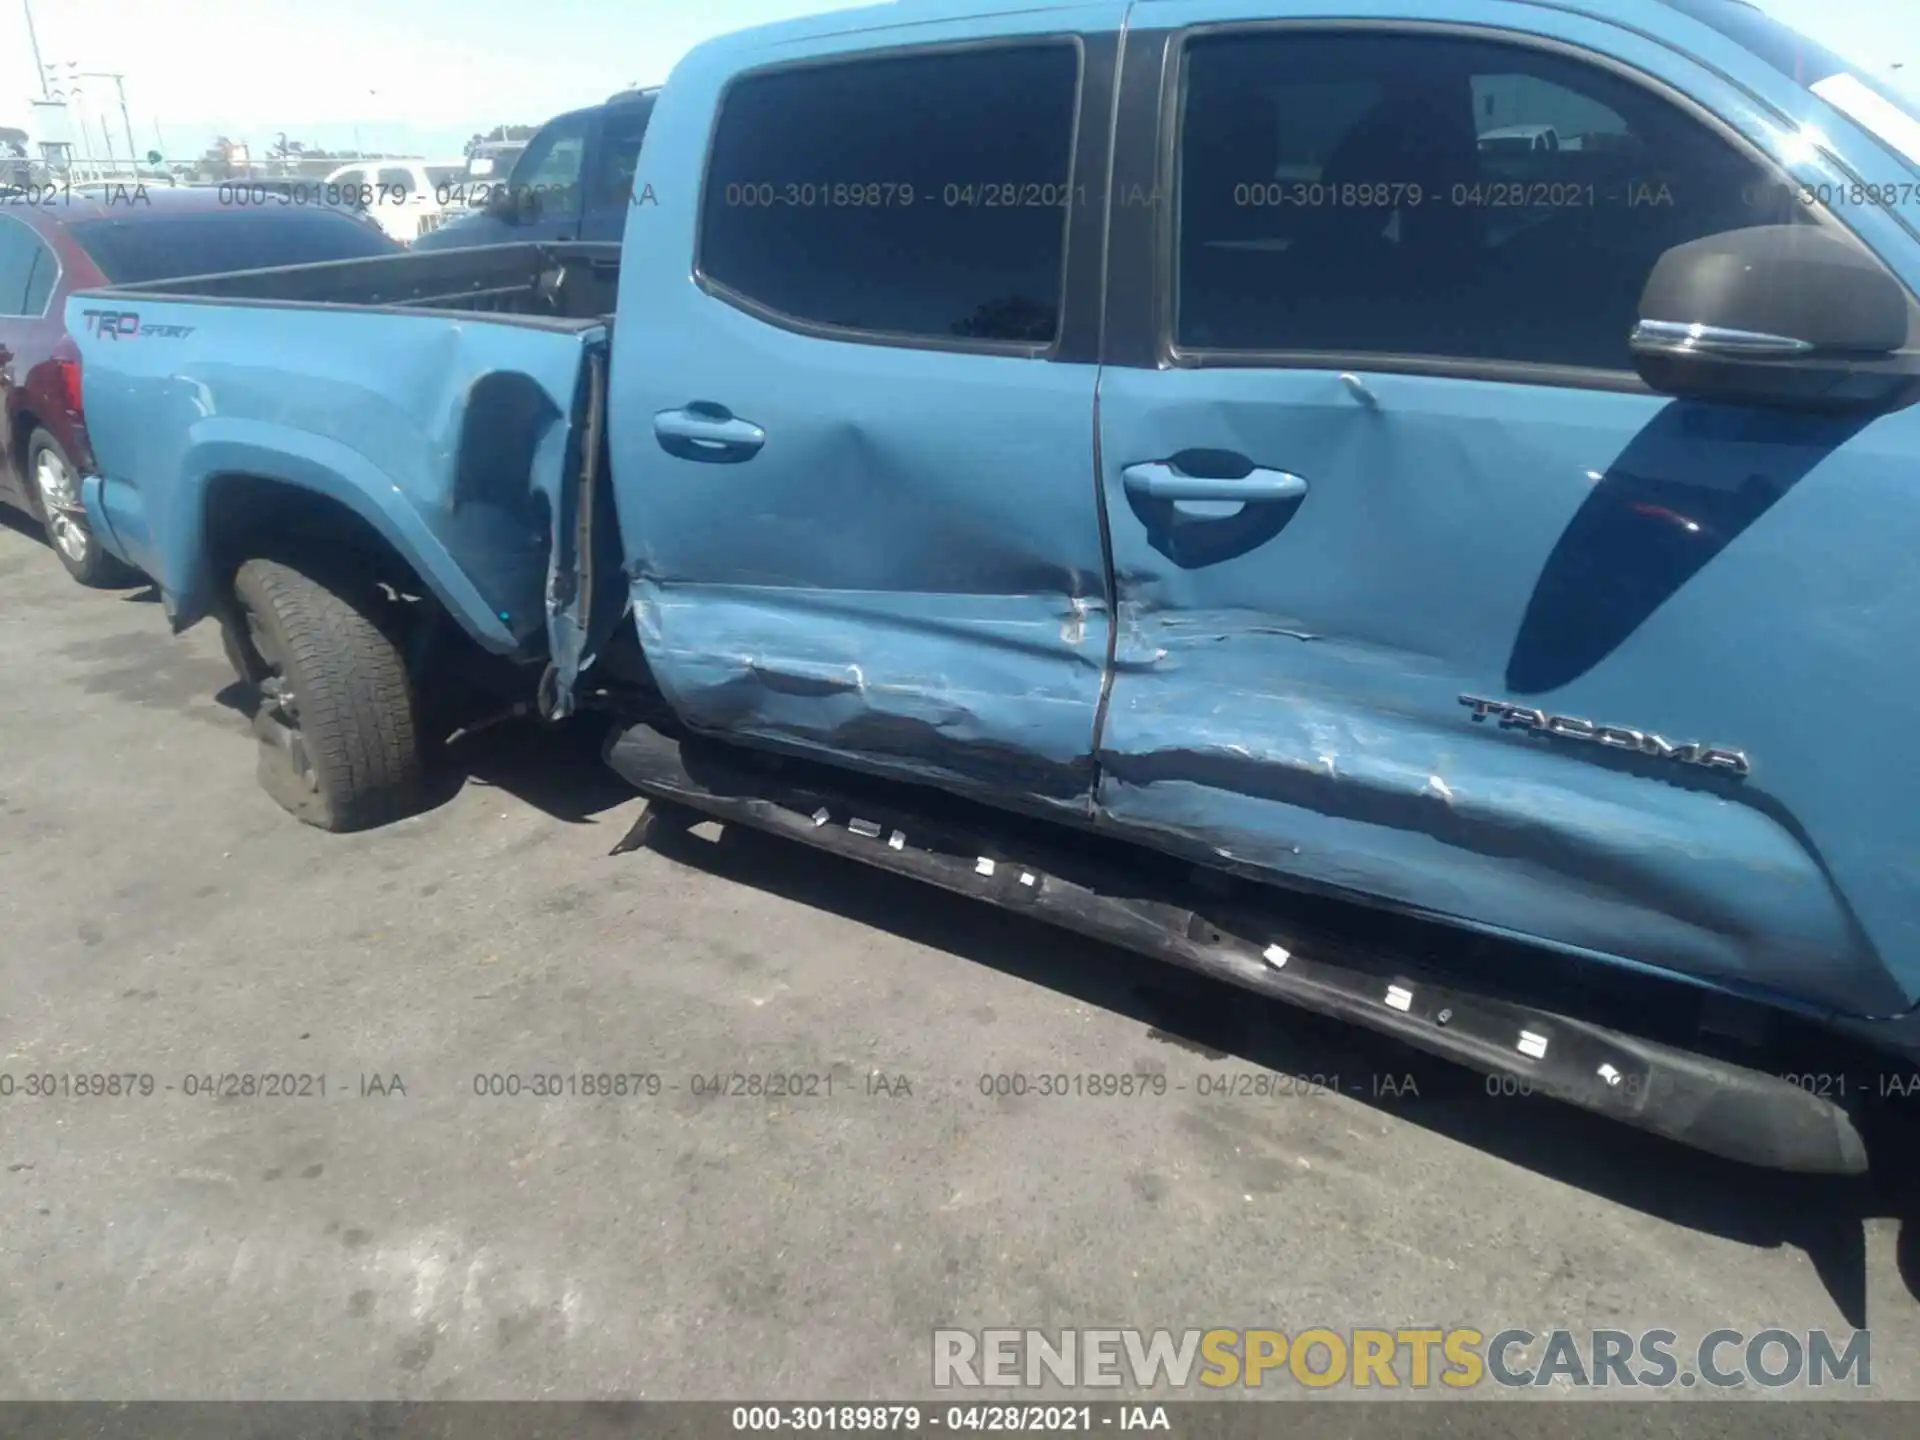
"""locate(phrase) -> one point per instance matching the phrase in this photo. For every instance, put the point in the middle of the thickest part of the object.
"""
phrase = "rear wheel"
(335, 719)
(56, 491)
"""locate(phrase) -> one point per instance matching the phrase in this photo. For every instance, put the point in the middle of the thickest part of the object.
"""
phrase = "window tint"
(550, 166)
(147, 247)
(1425, 196)
(1521, 122)
(922, 196)
(18, 246)
(396, 180)
(624, 127)
(40, 280)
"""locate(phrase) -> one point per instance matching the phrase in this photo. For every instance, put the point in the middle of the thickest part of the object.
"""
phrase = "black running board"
(1703, 1102)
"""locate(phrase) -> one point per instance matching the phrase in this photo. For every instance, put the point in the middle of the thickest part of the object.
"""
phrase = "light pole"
(61, 82)
(120, 89)
(33, 38)
(106, 134)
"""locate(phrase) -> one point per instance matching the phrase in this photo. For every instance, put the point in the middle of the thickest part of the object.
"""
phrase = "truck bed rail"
(570, 280)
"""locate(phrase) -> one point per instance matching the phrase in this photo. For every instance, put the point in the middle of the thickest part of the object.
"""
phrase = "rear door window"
(150, 247)
(41, 278)
(18, 248)
(921, 196)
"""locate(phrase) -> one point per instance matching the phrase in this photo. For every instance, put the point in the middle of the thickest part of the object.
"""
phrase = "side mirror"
(501, 204)
(1780, 315)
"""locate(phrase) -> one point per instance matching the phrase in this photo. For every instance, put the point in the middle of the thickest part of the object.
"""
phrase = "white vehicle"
(406, 198)
(1523, 138)
(493, 159)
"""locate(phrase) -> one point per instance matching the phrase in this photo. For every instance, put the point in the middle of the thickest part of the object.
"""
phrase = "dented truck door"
(1422, 595)
(854, 456)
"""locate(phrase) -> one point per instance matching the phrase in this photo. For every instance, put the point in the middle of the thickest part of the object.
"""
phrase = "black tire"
(342, 751)
(74, 543)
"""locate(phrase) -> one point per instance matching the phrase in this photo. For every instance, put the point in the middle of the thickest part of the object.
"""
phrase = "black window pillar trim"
(1133, 202)
(1082, 281)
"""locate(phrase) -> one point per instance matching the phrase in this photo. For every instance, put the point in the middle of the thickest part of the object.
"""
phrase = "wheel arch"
(246, 512)
(21, 424)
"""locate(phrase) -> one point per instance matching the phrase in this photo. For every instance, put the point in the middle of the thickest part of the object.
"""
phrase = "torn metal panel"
(969, 692)
(586, 589)
(1587, 888)
(904, 572)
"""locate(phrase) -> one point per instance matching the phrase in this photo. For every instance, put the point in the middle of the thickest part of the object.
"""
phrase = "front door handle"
(1158, 480)
(707, 432)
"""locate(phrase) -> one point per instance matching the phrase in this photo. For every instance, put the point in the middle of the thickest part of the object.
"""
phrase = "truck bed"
(447, 399)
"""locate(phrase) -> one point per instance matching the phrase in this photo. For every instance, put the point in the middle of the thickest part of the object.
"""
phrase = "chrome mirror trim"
(1675, 337)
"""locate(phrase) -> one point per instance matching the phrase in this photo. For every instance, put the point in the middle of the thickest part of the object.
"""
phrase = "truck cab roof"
(903, 13)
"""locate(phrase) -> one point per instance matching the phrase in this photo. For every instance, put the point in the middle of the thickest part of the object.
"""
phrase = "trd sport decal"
(125, 325)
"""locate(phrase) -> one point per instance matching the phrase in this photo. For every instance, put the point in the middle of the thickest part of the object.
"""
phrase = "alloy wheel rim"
(279, 715)
(60, 505)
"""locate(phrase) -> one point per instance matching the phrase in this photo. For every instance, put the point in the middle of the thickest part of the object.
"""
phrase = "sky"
(420, 76)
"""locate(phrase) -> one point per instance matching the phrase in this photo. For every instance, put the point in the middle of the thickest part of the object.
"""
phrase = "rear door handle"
(1158, 480)
(707, 432)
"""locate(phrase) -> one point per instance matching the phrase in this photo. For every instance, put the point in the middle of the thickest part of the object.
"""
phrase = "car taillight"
(66, 382)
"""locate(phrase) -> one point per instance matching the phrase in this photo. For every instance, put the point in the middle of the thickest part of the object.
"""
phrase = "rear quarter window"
(139, 248)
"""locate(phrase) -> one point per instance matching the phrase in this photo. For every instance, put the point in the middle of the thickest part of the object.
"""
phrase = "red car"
(53, 242)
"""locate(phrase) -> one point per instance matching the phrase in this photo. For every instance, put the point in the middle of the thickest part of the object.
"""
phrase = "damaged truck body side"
(1034, 444)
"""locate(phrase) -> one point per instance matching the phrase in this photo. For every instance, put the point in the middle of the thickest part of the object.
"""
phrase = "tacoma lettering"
(1615, 737)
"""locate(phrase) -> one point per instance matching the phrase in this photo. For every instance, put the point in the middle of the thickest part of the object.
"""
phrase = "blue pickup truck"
(1168, 466)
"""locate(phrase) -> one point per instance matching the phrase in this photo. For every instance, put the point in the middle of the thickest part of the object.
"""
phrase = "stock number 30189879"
(1029, 1419)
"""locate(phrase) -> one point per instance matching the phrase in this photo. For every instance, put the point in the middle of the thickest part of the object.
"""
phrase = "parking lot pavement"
(415, 1238)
